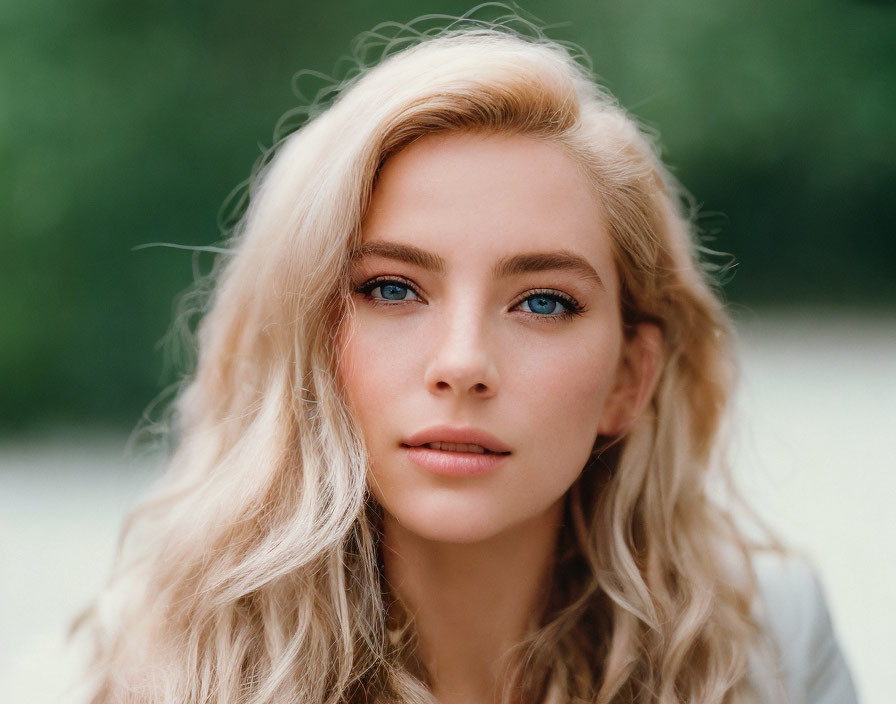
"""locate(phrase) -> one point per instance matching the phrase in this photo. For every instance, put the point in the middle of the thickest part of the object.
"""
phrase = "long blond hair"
(252, 573)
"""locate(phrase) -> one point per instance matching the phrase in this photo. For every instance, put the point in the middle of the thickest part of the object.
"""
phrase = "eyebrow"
(402, 253)
(547, 261)
(524, 263)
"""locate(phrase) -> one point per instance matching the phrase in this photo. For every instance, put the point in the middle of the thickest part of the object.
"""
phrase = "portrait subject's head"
(457, 411)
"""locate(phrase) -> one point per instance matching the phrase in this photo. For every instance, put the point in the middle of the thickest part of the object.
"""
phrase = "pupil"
(541, 304)
(394, 292)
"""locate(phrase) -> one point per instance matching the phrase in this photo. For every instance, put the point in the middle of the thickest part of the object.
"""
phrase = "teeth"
(455, 447)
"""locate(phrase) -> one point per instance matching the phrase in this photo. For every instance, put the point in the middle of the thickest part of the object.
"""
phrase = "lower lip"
(455, 464)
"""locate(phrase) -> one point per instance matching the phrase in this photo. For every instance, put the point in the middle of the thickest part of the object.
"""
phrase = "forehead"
(475, 197)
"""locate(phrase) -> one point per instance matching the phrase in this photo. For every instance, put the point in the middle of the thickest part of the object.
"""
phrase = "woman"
(457, 401)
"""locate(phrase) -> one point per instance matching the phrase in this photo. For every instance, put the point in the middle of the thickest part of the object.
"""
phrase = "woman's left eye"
(549, 305)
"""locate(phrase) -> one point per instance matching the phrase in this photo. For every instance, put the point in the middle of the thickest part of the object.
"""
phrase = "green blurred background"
(128, 123)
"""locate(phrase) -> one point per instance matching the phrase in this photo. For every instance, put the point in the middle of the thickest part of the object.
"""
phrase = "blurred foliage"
(128, 123)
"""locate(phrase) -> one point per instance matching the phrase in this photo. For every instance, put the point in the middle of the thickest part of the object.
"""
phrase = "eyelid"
(571, 302)
(572, 308)
(372, 283)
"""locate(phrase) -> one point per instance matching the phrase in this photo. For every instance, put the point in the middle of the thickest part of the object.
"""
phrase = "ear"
(636, 379)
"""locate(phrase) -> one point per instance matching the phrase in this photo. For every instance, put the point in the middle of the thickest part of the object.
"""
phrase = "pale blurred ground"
(816, 453)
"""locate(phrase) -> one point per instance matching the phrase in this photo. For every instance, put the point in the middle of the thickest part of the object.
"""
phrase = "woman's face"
(486, 313)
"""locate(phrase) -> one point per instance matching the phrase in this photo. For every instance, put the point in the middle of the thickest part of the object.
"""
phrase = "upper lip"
(456, 434)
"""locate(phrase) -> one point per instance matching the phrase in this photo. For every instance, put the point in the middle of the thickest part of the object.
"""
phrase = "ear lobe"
(636, 379)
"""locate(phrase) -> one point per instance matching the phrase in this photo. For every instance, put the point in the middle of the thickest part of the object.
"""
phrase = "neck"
(471, 602)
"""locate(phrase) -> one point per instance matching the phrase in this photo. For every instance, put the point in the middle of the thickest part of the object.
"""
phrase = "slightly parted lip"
(456, 434)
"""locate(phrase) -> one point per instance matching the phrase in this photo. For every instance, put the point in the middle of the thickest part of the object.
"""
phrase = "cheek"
(575, 378)
(374, 374)
(560, 392)
(373, 377)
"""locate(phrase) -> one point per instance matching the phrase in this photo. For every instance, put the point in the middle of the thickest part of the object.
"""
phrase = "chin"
(449, 523)
(459, 534)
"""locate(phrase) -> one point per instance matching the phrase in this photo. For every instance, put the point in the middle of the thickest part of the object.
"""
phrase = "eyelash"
(377, 281)
(573, 307)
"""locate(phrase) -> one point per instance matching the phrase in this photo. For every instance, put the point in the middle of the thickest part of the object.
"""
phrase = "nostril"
(461, 385)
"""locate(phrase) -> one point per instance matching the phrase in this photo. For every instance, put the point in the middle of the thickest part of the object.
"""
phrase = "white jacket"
(807, 666)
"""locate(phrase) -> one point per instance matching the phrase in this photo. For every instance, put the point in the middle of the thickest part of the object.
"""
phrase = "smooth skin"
(456, 331)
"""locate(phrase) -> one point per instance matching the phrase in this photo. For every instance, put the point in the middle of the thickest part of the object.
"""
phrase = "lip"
(455, 464)
(456, 434)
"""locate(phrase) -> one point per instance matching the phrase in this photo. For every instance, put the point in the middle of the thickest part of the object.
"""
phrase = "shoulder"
(802, 662)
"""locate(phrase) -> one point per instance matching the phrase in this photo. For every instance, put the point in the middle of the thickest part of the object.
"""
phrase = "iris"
(394, 292)
(542, 304)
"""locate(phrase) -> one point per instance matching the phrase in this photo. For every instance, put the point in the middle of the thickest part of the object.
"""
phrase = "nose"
(462, 364)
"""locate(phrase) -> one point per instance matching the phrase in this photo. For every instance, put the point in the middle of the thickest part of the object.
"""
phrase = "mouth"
(458, 447)
(460, 440)
(456, 451)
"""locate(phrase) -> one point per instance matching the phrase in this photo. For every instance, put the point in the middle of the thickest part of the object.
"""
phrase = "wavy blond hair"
(253, 575)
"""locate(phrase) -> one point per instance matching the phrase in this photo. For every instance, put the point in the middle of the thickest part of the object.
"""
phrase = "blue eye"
(388, 290)
(542, 304)
(393, 292)
(549, 305)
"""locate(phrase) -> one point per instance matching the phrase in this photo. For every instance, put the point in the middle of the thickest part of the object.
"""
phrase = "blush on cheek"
(373, 375)
(593, 386)
(580, 377)
(579, 392)
(354, 368)
(345, 366)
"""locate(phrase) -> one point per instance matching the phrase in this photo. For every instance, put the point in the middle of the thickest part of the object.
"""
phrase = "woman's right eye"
(385, 289)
